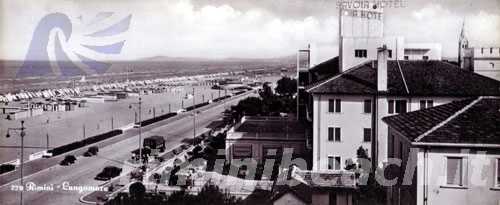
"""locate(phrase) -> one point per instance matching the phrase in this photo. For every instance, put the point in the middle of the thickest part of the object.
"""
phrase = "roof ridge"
(420, 137)
(339, 75)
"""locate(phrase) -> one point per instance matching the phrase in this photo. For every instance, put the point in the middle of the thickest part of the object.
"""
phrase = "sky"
(235, 28)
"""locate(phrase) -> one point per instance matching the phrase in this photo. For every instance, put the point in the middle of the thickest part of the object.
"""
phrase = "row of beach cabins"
(27, 104)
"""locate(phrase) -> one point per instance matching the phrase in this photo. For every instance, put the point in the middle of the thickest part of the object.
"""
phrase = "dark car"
(108, 173)
(155, 142)
(91, 151)
(94, 150)
(68, 159)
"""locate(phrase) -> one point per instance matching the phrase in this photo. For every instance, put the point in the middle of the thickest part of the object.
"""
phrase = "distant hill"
(285, 59)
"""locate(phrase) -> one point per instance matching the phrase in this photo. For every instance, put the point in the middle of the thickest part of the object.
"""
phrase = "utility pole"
(22, 133)
(194, 119)
(140, 127)
(112, 123)
(83, 131)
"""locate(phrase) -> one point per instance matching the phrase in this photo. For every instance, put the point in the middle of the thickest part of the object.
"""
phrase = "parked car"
(68, 159)
(91, 151)
(108, 173)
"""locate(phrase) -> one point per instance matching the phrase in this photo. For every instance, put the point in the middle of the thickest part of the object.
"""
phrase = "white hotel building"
(370, 80)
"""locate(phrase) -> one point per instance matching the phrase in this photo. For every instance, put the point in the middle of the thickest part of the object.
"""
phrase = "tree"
(361, 153)
(249, 106)
(137, 190)
(286, 87)
(266, 91)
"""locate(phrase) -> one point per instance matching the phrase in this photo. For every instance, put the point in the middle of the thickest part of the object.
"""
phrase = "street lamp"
(22, 133)
(194, 119)
(139, 104)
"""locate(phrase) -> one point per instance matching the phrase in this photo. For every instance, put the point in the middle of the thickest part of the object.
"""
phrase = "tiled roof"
(471, 121)
(423, 78)
(302, 183)
(325, 70)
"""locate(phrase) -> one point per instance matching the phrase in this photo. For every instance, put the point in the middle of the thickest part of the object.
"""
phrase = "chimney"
(382, 54)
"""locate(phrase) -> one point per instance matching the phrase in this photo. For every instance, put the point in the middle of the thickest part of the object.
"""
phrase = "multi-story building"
(346, 97)
(348, 107)
(451, 154)
(482, 60)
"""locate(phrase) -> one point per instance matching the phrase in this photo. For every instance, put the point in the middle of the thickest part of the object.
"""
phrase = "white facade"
(486, 61)
(352, 121)
(422, 51)
(350, 46)
(479, 175)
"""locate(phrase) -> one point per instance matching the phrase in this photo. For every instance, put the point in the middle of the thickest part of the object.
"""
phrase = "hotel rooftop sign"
(367, 9)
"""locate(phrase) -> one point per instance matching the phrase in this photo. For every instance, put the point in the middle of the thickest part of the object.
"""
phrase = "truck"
(155, 142)
(150, 146)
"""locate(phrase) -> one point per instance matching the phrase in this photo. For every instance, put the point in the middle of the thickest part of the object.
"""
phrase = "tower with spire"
(464, 54)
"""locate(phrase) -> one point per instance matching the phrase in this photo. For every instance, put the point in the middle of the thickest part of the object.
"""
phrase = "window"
(330, 134)
(426, 104)
(407, 58)
(337, 134)
(455, 172)
(425, 57)
(497, 180)
(337, 105)
(367, 135)
(482, 50)
(491, 50)
(360, 53)
(334, 162)
(337, 163)
(390, 53)
(334, 105)
(397, 106)
(242, 151)
(368, 106)
(391, 106)
(334, 134)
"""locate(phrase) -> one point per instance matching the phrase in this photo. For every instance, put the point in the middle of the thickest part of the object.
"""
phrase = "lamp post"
(22, 133)
(194, 119)
(139, 104)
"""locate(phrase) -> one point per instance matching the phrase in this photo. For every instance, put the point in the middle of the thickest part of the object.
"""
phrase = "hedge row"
(239, 92)
(157, 119)
(222, 98)
(4, 168)
(196, 106)
(169, 115)
(78, 144)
